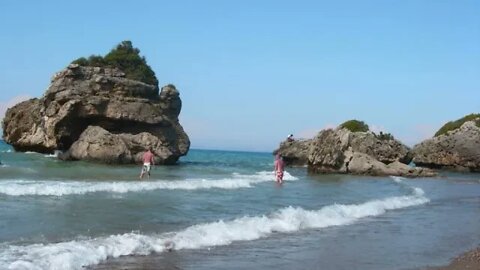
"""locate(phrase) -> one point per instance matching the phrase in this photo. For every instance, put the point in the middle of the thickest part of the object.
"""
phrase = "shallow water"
(220, 209)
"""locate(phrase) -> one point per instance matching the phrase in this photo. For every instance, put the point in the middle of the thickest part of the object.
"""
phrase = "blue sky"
(252, 72)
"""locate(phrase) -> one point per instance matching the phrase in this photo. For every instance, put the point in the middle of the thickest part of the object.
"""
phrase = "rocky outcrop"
(294, 153)
(360, 163)
(458, 149)
(88, 109)
(384, 150)
(343, 151)
(21, 127)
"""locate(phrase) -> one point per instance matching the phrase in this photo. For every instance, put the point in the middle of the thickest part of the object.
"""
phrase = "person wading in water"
(148, 162)
(279, 168)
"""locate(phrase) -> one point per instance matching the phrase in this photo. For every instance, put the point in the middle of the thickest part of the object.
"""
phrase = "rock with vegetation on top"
(99, 114)
(455, 146)
(342, 150)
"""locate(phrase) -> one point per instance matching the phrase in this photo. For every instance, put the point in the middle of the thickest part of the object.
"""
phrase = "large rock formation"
(383, 148)
(343, 151)
(458, 149)
(294, 153)
(97, 114)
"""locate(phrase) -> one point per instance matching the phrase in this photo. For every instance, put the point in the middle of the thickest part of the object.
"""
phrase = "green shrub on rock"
(126, 58)
(355, 126)
(384, 136)
(452, 125)
(82, 61)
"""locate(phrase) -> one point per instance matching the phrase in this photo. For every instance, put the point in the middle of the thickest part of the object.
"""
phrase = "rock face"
(384, 150)
(294, 153)
(360, 163)
(97, 114)
(458, 149)
(343, 151)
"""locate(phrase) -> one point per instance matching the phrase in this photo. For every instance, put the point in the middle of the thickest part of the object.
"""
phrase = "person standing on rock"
(279, 168)
(148, 162)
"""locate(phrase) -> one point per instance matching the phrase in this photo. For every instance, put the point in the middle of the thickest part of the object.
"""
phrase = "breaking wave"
(61, 188)
(79, 253)
(415, 190)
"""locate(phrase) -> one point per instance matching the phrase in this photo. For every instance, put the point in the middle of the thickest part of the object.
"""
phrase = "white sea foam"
(61, 188)
(80, 253)
(55, 154)
(399, 180)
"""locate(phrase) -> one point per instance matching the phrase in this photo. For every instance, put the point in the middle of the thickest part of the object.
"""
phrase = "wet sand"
(468, 260)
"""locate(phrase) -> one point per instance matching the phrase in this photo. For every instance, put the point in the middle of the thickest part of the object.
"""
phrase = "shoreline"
(467, 260)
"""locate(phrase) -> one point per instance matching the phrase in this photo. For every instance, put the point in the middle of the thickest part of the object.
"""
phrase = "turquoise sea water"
(222, 210)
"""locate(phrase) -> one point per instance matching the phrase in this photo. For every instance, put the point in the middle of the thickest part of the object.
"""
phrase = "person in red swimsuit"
(279, 168)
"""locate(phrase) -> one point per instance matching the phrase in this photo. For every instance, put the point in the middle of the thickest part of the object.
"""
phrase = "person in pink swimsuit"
(148, 162)
(279, 168)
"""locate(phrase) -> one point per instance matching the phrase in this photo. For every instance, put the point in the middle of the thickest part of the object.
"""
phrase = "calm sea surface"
(223, 210)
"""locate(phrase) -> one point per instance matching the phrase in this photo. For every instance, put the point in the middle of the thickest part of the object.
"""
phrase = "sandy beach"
(467, 260)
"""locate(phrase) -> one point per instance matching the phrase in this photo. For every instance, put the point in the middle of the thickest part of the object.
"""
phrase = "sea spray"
(80, 253)
(61, 188)
(400, 181)
(397, 179)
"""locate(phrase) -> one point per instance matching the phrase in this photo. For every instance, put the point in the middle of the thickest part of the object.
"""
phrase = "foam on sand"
(61, 188)
(79, 253)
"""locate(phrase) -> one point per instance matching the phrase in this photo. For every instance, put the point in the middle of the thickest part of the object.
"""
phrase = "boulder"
(343, 151)
(79, 97)
(294, 153)
(401, 169)
(360, 163)
(386, 150)
(97, 144)
(327, 151)
(22, 128)
(458, 149)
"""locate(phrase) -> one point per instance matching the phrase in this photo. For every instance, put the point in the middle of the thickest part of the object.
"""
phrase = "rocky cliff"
(342, 151)
(294, 153)
(98, 114)
(458, 149)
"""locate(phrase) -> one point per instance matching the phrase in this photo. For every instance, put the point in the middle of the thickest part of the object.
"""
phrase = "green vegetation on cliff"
(126, 58)
(452, 125)
(384, 136)
(355, 126)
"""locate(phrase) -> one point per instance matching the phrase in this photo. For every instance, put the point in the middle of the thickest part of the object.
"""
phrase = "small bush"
(452, 125)
(384, 136)
(97, 61)
(171, 86)
(355, 126)
(126, 58)
(82, 61)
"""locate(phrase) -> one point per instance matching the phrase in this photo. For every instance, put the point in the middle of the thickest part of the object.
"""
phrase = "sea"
(223, 210)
